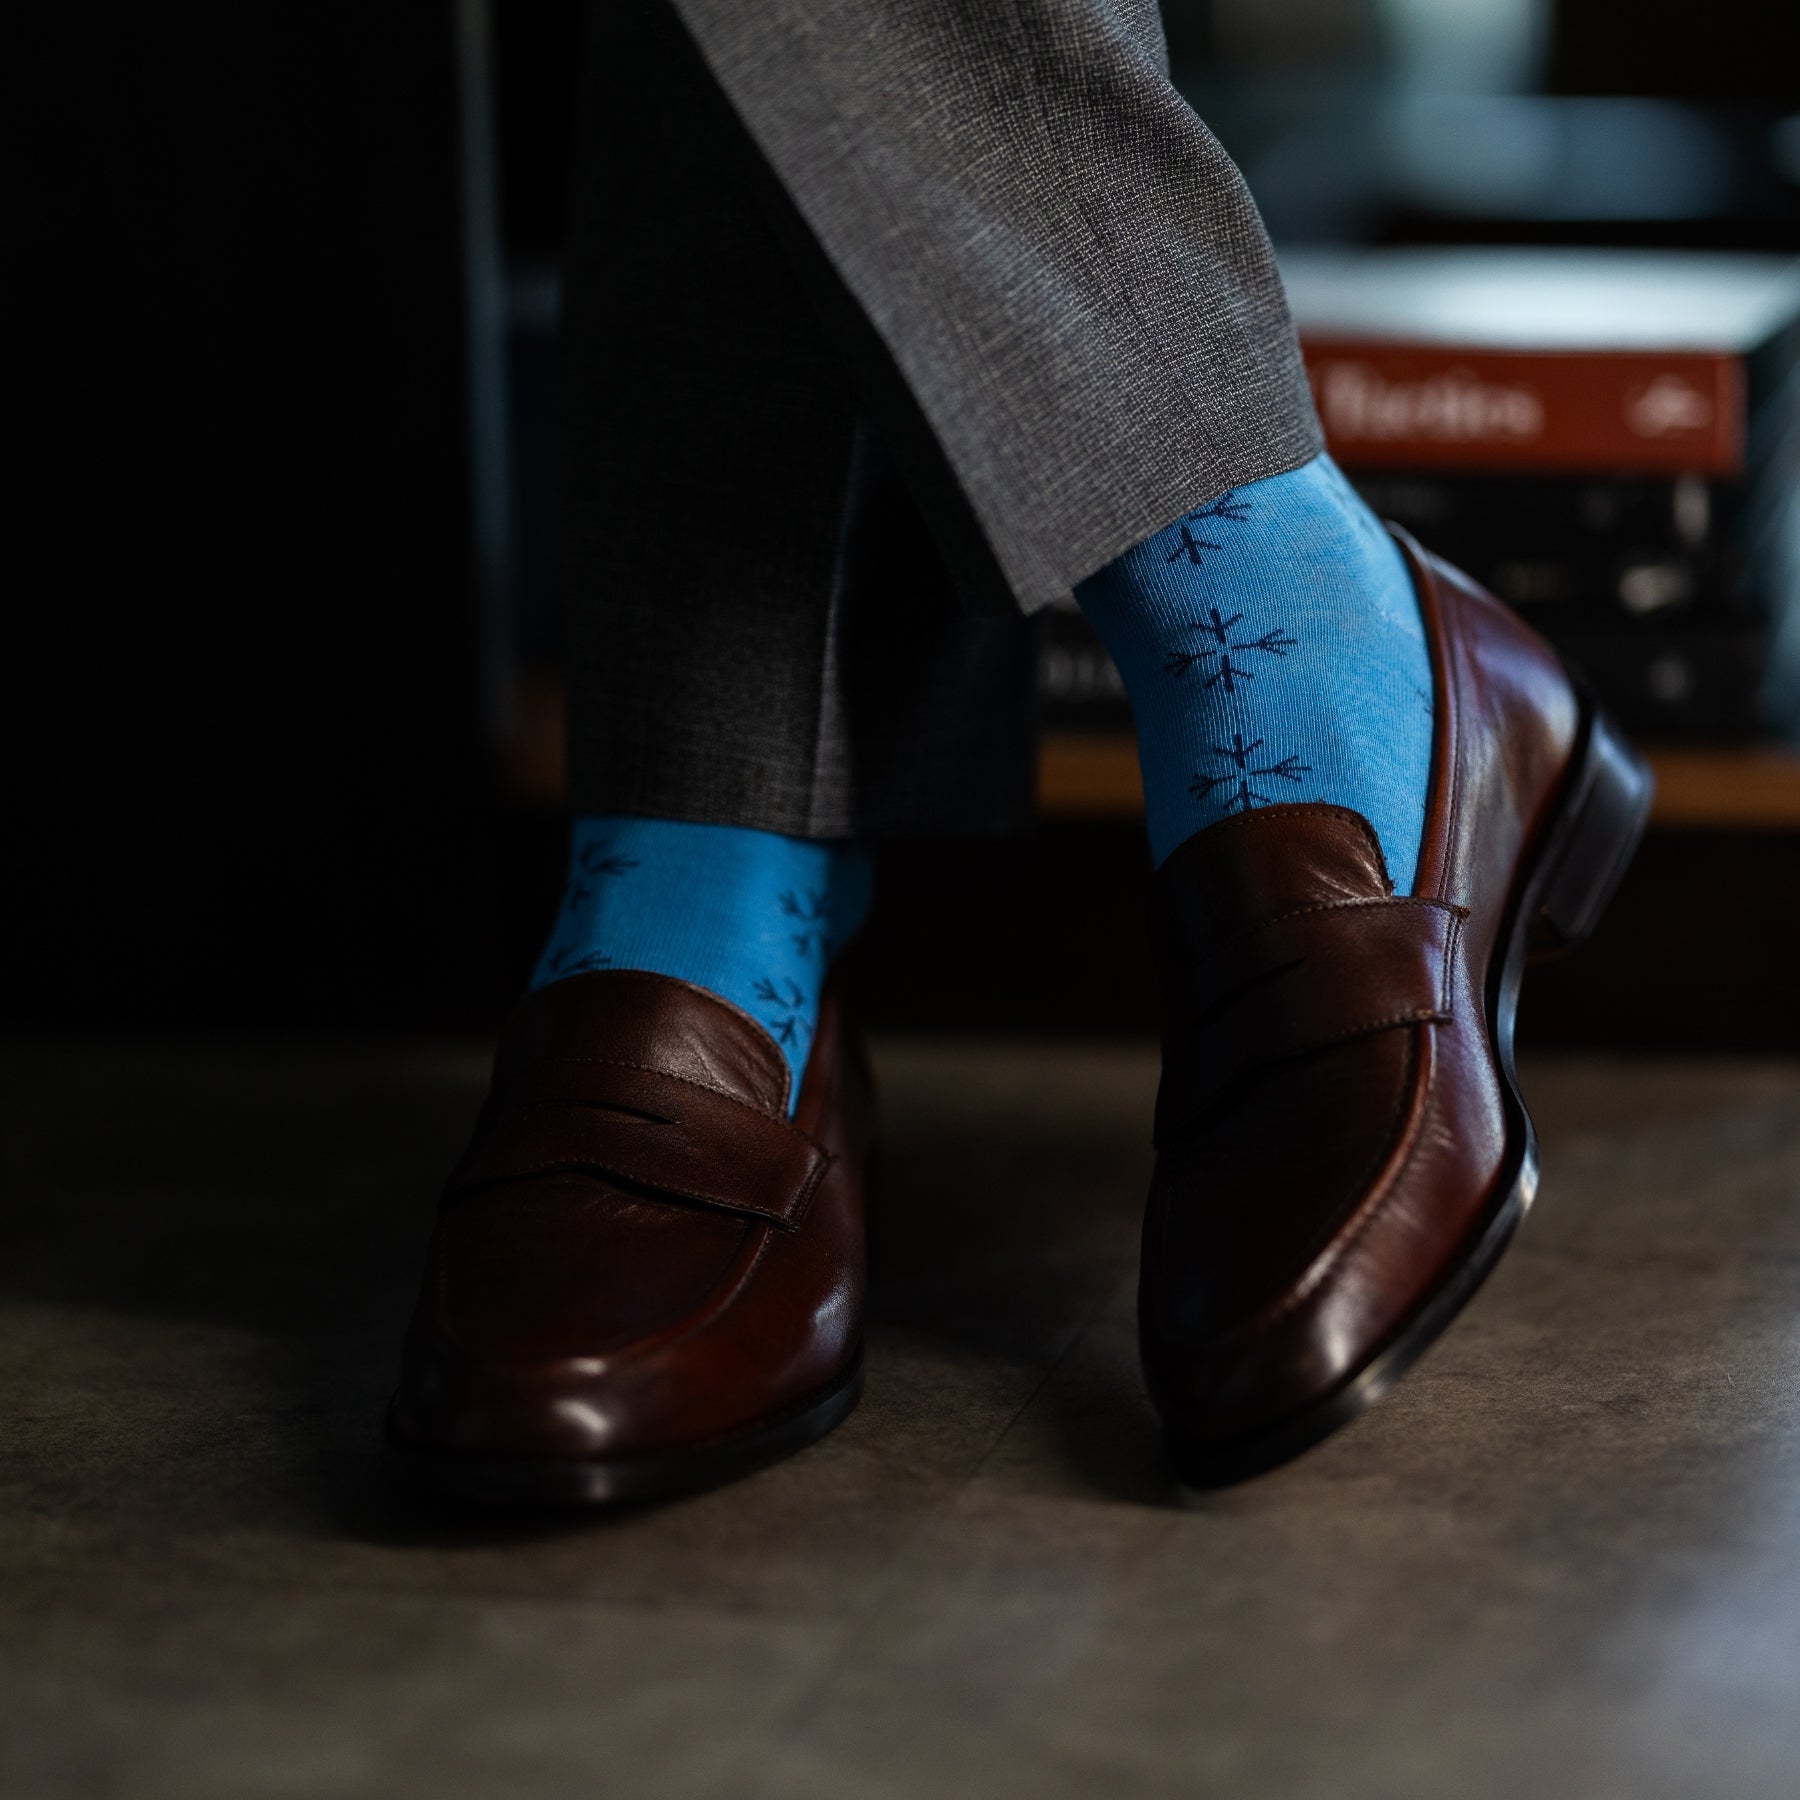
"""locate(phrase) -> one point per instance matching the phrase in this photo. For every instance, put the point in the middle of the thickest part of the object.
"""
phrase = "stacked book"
(1610, 440)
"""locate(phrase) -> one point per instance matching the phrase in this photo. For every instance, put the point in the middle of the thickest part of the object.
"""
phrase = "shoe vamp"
(569, 1265)
(1252, 1202)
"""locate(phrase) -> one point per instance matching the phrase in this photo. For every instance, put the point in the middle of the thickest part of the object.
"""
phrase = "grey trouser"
(886, 322)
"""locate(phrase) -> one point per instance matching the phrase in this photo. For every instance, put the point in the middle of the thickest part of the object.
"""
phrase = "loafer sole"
(503, 1480)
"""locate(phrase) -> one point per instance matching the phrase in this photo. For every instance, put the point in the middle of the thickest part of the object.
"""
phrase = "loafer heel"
(1602, 821)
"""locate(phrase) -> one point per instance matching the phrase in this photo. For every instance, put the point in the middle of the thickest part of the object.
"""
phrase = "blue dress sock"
(1271, 645)
(752, 916)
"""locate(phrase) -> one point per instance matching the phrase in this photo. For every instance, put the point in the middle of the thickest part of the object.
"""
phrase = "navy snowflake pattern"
(809, 912)
(594, 864)
(1244, 767)
(1228, 506)
(786, 1004)
(1229, 655)
(600, 859)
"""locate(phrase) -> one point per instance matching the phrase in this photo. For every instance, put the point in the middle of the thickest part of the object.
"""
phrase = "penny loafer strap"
(645, 1128)
(1298, 983)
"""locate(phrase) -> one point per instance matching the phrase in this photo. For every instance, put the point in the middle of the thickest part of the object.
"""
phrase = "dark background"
(250, 783)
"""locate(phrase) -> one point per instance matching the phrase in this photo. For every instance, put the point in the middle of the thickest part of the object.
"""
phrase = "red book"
(1543, 361)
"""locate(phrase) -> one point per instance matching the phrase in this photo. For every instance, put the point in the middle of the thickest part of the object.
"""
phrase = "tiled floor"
(1562, 1561)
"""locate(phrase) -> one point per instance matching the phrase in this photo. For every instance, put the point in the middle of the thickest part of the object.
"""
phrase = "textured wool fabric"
(760, 629)
(748, 915)
(872, 305)
(1061, 260)
(1271, 643)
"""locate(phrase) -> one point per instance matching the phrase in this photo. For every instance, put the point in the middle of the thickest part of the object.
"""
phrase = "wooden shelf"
(1737, 788)
(1749, 788)
(1089, 775)
(531, 751)
(1094, 775)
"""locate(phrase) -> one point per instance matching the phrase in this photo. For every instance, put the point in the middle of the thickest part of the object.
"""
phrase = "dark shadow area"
(279, 1195)
(281, 1192)
(1004, 1226)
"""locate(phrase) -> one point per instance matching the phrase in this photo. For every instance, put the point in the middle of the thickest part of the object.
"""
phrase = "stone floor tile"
(1562, 1559)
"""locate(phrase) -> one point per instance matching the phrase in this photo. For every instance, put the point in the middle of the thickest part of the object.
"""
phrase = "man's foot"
(1271, 645)
(751, 916)
(646, 1276)
(1342, 1150)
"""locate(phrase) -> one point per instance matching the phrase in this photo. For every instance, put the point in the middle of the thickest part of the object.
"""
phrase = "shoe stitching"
(639, 977)
(1349, 1034)
(1355, 1190)
(789, 1219)
(1333, 1249)
(1373, 1207)
(1457, 912)
(643, 1068)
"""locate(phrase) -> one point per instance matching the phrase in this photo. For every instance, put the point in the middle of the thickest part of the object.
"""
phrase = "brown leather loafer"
(1342, 1153)
(645, 1278)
